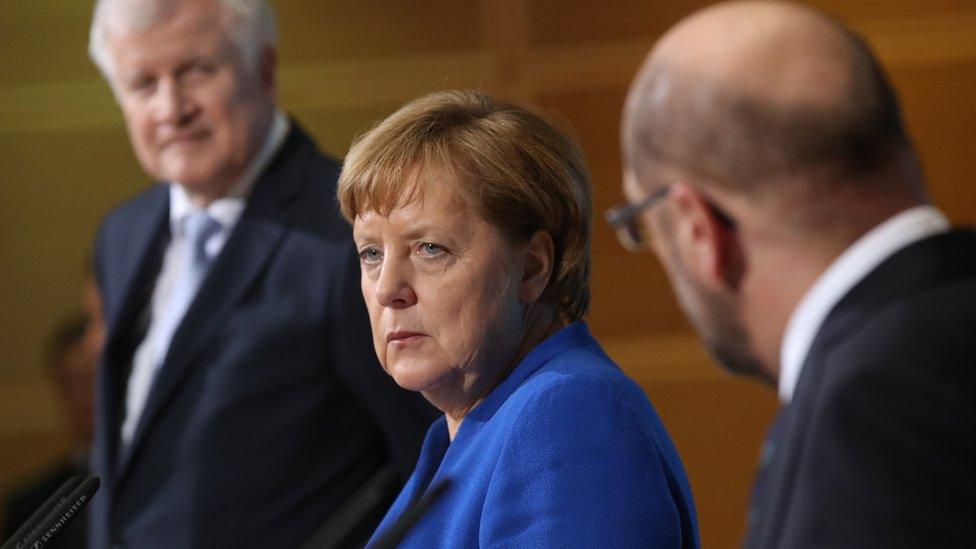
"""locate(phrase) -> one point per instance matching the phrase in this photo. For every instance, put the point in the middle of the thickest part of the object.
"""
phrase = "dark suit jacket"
(879, 443)
(24, 499)
(270, 409)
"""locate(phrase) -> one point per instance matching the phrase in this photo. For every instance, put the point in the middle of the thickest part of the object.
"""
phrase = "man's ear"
(706, 240)
(540, 254)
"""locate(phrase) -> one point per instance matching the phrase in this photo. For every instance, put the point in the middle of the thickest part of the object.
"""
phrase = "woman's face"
(442, 288)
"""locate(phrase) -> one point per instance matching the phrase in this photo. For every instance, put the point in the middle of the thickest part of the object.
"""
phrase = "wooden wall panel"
(43, 41)
(718, 426)
(865, 11)
(630, 294)
(557, 23)
(937, 100)
(333, 129)
(343, 29)
(64, 161)
(55, 188)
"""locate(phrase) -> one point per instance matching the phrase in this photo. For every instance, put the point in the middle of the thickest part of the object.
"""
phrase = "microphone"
(54, 515)
(42, 511)
(410, 516)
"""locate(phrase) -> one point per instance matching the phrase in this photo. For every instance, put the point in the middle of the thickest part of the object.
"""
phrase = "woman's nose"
(394, 288)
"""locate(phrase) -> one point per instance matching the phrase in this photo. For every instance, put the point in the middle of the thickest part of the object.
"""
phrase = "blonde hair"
(504, 161)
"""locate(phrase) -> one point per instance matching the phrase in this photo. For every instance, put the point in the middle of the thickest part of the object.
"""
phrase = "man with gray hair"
(240, 403)
(767, 166)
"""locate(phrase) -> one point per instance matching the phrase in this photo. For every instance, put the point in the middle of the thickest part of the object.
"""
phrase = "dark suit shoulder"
(302, 180)
(889, 433)
(910, 361)
(912, 316)
(919, 334)
(125, 228)
(133, 211)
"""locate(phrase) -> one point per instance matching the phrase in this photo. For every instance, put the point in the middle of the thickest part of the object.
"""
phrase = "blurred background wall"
(65, 161)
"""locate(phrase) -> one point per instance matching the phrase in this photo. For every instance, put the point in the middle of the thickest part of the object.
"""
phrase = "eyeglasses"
(623, 218)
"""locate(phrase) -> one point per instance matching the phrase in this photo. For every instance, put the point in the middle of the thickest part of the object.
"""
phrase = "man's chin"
(738, 361)
(194, 180)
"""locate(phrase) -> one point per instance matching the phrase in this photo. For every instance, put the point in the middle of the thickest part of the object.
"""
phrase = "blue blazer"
(270, 410)
(566, 452)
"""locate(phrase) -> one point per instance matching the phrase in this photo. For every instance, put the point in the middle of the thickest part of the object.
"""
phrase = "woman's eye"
(430, 249)
(370, 255)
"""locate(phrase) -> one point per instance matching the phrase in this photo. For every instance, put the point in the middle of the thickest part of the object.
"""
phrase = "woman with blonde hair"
(472, 221)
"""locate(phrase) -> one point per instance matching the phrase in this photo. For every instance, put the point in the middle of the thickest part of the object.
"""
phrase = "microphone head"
(61, 515)
(50, 504)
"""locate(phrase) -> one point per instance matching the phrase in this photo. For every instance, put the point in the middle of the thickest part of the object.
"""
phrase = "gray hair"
(250, 25)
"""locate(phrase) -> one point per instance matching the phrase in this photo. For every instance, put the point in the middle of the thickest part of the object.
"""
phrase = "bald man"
(767, 166)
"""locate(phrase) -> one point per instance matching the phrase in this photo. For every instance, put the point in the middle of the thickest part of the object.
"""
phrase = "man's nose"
(173, 104)
(394, 288)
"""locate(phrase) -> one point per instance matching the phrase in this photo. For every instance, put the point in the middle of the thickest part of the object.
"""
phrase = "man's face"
(715, 315)
(195, 115)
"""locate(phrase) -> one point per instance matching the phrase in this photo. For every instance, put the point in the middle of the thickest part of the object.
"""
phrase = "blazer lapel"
(140, 256)
(138, 262)
(250, 246)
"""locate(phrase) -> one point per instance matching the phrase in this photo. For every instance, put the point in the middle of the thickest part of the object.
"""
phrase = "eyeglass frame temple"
(619, 216)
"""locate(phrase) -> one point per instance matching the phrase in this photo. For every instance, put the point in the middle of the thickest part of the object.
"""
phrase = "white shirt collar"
(228, 209)
(850, 267)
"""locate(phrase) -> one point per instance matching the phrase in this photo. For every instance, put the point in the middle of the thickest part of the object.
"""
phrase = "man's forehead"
(171, 41)
(182, 22)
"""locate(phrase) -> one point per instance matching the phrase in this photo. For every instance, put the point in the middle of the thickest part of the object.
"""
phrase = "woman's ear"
(540, 254)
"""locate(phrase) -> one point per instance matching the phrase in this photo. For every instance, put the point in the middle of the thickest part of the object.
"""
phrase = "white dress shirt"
(226, 211)
(850, 267)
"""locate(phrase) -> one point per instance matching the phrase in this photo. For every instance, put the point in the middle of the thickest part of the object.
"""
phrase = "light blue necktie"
(197, 227)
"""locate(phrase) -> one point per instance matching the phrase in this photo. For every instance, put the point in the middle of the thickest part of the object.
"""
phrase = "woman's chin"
(417, 377)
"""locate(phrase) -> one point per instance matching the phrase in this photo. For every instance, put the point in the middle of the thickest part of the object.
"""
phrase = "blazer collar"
(573, 336)
(437, 442)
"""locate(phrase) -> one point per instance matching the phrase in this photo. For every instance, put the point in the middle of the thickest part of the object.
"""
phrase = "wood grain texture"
(64, 161)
